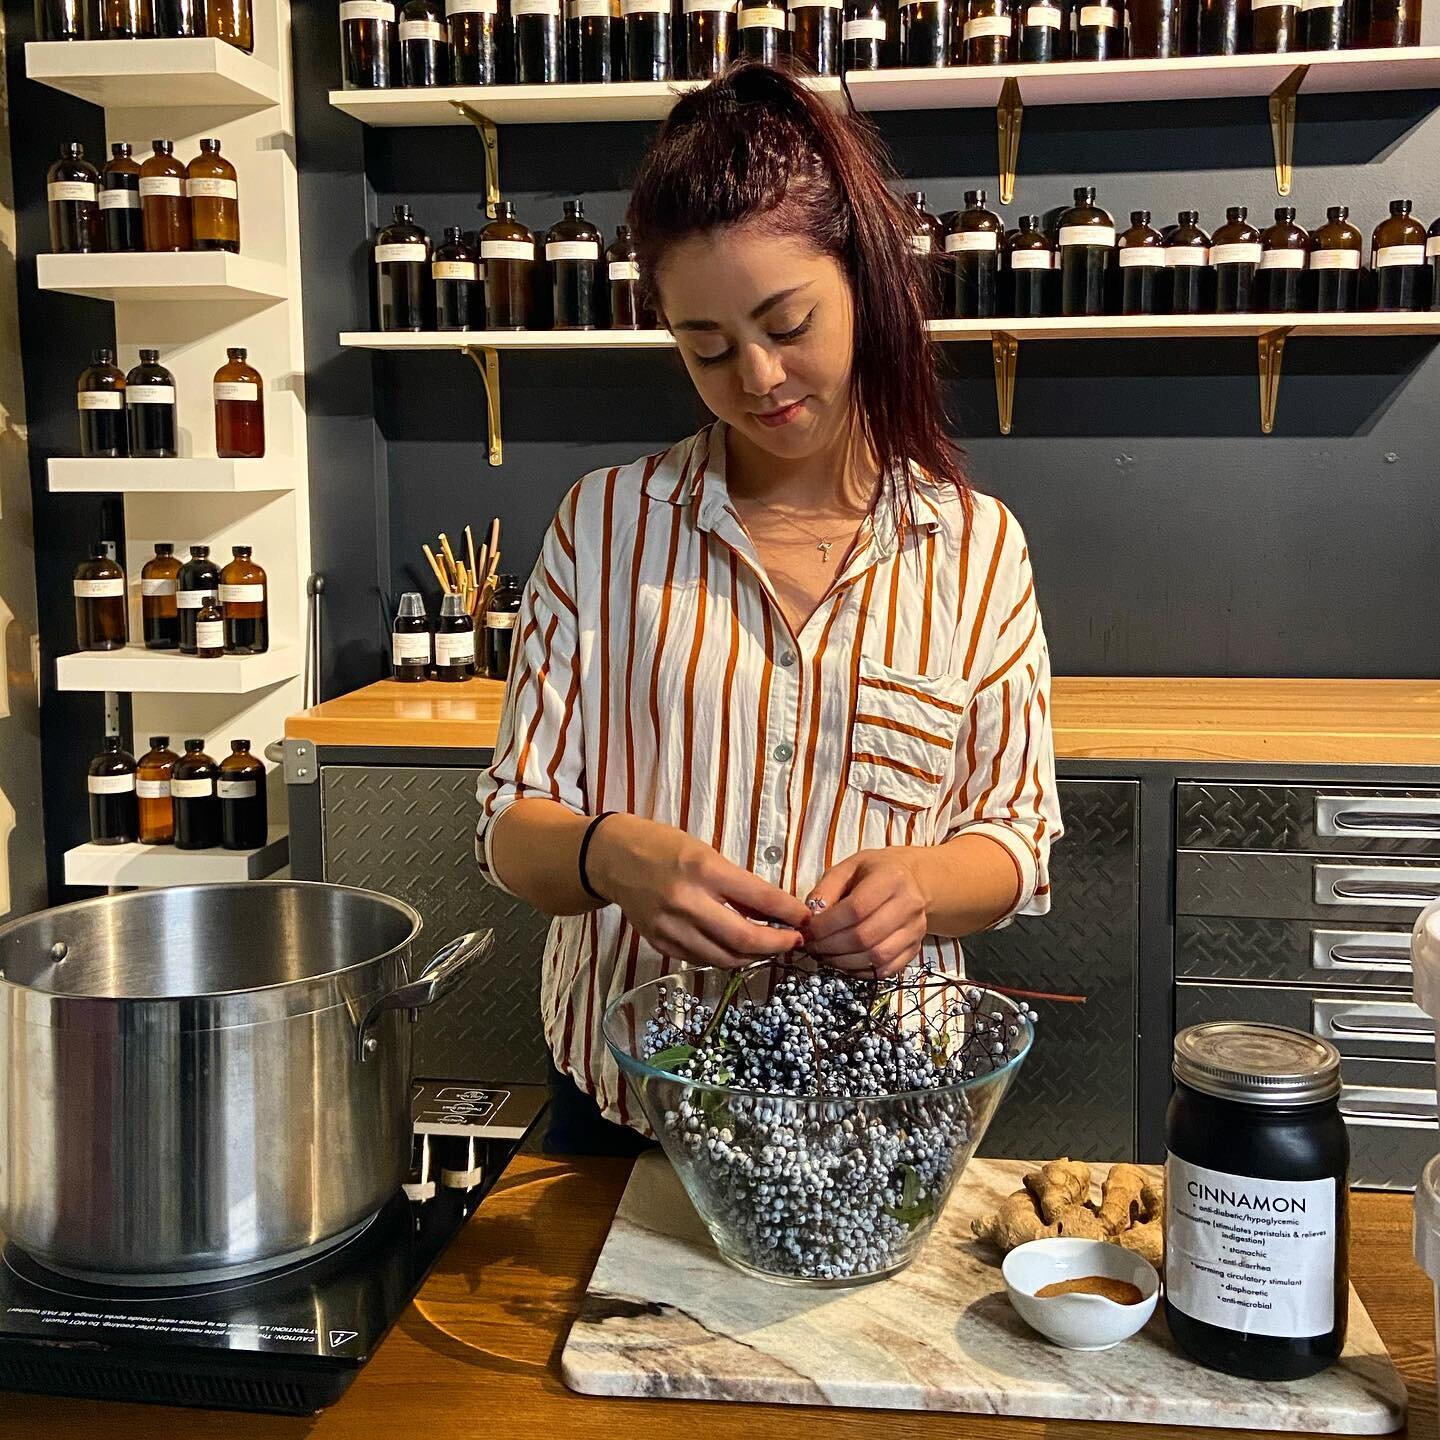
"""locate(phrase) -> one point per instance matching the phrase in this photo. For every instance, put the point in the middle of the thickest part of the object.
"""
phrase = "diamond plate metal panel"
(1214, 816)
(409, 832)
(1275, 887)
(1076, 1093)
(1230, 948)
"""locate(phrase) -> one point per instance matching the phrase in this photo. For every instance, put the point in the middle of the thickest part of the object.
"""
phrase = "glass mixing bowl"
(803, 1190)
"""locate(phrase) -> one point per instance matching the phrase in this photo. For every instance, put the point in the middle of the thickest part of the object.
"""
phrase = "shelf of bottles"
(135, 864)
(195, 70)
(171, 279)
(141, 671)
(197, 475)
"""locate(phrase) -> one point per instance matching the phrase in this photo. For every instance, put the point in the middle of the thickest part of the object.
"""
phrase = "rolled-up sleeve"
(539, 750)
(1006, 772)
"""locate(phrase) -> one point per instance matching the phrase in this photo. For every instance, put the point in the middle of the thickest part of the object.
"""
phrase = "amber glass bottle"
(471, 26)
(500, 617)
(159, 611)
(410, 640)
(197, 806)
(199, 582)
(100, 400)
(120, 201)
(537, 41)
(925, 33)
(367, 34)
(1235, 251)
(1383, 24)
(210, 629)
(1335, 262)
(1087, 241)
(454, 641)
(1141, 256)
(589, 57)
(424, 44)
(1224, 27)
(762, 31)
(972, 243)
(459, 292)
(240, 788)
(627, 303)
(507, 250)
(1097, 32)
(73, 191)
(868, 35)
(709, 37)
(214, 200)
(150, 409)
(1397, 256)
(110, 781)
(239, 395)
(1324, 24)
(232, 22)
(1041, 32)
(127, 19)
(61, 20)
(101, 618)
(1187, 258)
(164, 206)
(815, 39)
(152, 788)
(649, 38)
(1280, 283)
(927, 244)
(989, 32)
(1274, 26)
(402, 274)
(245, 601)
(1155, 29)
(178, 18)
(1029, 269)
(572, 252)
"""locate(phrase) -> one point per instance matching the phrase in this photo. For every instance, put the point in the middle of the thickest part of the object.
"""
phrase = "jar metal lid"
(1257, 1064)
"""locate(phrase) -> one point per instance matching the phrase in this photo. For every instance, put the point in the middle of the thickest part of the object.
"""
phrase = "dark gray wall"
(1169, 535)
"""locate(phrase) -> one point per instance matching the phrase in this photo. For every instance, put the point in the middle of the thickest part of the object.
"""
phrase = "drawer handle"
(1384, 822)
(1388, 1027)
(1372, 957)
(1422, 1113)
(1396, 892)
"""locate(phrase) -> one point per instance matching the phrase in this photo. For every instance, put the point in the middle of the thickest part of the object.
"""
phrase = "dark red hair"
(757, 144)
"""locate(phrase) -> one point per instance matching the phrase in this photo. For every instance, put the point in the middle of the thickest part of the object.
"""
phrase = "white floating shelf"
(135, 669)
(181, 278)
(528, 104)
(200, 475)
(150, 865)
(121, 74)
(1079, 82)
(507, 339)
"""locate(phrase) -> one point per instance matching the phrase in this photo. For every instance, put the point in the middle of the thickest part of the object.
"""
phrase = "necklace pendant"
(823, 546)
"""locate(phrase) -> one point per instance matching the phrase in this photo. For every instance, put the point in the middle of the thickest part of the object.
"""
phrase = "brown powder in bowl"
(1122, 1292)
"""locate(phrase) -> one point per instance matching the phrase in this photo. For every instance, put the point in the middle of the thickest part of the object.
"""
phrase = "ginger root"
(1147, 1241)
(1015, 1223)
(1122, 1203)
(1061, 1185)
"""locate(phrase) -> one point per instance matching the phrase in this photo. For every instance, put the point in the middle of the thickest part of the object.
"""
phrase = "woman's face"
(765, 324)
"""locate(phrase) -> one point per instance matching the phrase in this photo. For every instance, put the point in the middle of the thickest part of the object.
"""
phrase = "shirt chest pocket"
(902, 739)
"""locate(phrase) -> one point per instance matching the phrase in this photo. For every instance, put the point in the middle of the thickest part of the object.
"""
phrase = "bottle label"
(922, 242)
(817, 5)
(1047, 16)
(99, 589)
(572, 250)
(246, 390)
(404, 646)
(1087, 235)
(534, 7)
(864, 29)
(1144, 257)
(1335, 260)
(100, 399)
(588, 9)
(410, 251)
(421, 30)
(157, 587)
(235, 789)
(162, 185)
(763, 17)
(119, 199)
(192, 789)
(625, 270)
(110, 784)
(1282, 259)
(209, 635)
(1321, 4)
(454, 269)
(1265, 4)
(71, 190)
(644, 7)
(381, 10)
(149, 394)
(457, 648)
(1432, 246)
(153, 789)
(693, 7)
(1256, 1257)
(1179, 256)
(1240, 253)
(1388, 255)
(1032, 260)
(507, 249)
(967, 240)
(192, 599)
(249, 594)
(1102, 16)
(984, 25)
(500, 619)
(471, 7)
(205, 188)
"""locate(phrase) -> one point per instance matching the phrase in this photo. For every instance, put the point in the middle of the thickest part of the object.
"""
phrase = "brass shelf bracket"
(490, 139)
(1272, 350)
(1008, 113)
(1282, 126)
(487, 362)
(1005, 350)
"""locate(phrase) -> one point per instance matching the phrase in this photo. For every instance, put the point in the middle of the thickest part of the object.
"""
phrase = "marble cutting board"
(664, 1316)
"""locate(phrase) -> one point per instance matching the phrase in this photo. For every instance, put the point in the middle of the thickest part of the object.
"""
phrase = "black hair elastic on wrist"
(590, 829)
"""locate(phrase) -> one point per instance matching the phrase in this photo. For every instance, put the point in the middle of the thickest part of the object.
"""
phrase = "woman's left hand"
(874, 918)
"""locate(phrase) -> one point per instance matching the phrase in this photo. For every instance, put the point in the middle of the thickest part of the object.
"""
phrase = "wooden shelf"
(149, 865)
(121, 74)
(182, 278)
(197, 475)
(135, 669)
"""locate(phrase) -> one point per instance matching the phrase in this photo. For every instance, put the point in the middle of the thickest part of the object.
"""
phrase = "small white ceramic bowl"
(1079, 1322)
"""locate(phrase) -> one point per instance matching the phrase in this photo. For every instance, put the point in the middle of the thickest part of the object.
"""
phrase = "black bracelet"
(589, 835)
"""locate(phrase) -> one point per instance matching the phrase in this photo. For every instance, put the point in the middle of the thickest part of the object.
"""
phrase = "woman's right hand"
(680, 894)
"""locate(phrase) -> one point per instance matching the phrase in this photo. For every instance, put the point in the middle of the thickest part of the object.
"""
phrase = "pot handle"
(444, 972)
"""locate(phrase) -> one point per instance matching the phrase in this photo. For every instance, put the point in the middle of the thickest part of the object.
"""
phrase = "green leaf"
(668, 1059)
(912, 1209)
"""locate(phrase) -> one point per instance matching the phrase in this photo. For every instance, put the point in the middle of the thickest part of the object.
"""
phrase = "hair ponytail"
(757, 144)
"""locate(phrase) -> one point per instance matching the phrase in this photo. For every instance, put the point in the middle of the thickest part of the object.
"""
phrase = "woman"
(793, 658)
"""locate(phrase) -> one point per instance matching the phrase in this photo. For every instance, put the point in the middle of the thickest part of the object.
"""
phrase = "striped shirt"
(655, 673)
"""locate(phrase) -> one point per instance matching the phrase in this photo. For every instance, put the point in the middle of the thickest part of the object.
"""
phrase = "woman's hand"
(875, 914)
(679, 893)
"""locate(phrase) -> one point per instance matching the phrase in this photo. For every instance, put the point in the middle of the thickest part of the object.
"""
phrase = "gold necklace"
(823, 546)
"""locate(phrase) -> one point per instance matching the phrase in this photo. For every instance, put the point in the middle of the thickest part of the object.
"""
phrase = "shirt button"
(783, 752)
(774, 854)
(787, 658)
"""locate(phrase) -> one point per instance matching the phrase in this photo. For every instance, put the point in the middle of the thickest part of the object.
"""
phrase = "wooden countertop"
(478, 1352)
(1302, 722)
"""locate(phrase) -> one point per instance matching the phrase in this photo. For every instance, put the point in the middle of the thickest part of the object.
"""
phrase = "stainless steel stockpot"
(209, 1079)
